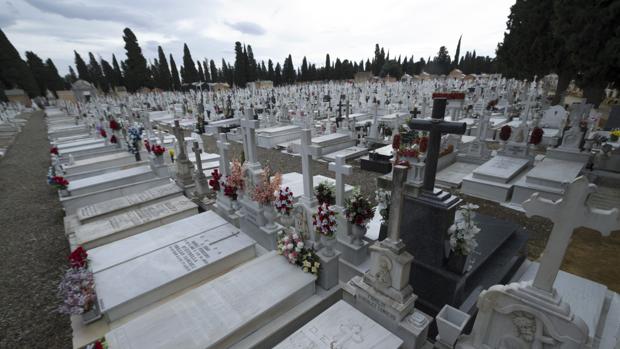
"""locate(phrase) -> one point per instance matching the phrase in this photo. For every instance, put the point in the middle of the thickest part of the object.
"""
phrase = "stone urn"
(328, 245)
(357, 234)
(450, 325)
(270, 216)
(286, 220)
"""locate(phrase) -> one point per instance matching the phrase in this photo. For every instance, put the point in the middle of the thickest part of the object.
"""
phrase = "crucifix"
(436, 126)
(341, 169)
(415, 112)
(567, 214)
(307, 151)
(249, 125)
(197, 151)
(223, 146)
(393, 240)
(178, 133)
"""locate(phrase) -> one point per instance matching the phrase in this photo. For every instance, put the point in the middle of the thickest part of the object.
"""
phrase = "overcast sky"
(274, 28)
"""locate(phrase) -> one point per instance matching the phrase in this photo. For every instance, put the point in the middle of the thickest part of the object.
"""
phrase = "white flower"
(290, 246)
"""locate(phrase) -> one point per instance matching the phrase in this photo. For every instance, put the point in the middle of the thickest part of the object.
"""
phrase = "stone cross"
(567, 214)
(250, 125)
(399, 176)
(341, 169)
(307, 150)
(197, 151)
(178, 133)
(436, 126)
(223, 146)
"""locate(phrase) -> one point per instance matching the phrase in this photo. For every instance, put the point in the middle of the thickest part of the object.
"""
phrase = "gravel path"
(32, 246)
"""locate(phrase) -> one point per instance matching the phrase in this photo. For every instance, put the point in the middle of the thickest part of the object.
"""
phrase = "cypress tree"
(270, 73)
(175, 81)
(457, 54)
(72, 76)
(55, 82)
(164, 80)
(215, 77)
(189, 73)
(117, 79)
(205, 67)
(136, 73)
(95, 72)
(108, 73)
(39, 72)
(304, 69)
(277, 79)
(201, 74)
(82, 68)
(240, 74)
(327, 69)
(251, 65)
(14, 72)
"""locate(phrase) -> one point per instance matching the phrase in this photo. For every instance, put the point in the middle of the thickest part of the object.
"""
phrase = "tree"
(215, 77)
(189, 73)
(82, 68)
(457, 53)
(201, 74)
(39, 72)
(164, 78)
(288, 70)
(175, 81)
(205, 67)
(136, 71)
(391, 68)
(241, 72)
(337, 75)
(304, 70)
(117, 79)
(328, 67)
(108, 72)
(14, 72)
(252, 67)
(270, 73)
(55, 82)
(441, 63)
(277, 76)
(72, 76)
(96, 74)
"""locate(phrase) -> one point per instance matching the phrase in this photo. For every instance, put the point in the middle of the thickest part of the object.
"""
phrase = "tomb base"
(263, 235)
(328, 272)
(352, 253)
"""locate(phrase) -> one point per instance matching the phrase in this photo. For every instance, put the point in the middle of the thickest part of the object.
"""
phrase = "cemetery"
(451, 207)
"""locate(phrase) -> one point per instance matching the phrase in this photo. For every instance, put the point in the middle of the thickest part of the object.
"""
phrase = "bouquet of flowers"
(214, 182)
(284, 201)
(103, 133)
(98, 344)
(264, 192)
(396, 142)
(409, 151)
(505, 132)
(537, 135)
(135, 134)
(324, 220)
(113, 139)
(236, 175)
(293, 248)
(59, 182)
(423, 144)
(358, 209)
(462, 234)
(114, 125)
(78, 258)
(230, 191)
(158, 150)
(76, 289)
(54, 150)
(324, 193)
(614, 135)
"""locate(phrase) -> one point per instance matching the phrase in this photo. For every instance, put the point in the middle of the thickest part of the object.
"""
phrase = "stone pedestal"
(354, 254)
(184, 173)
(328, 272)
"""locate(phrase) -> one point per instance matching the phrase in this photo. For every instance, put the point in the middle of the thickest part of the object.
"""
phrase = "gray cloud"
(9, 17)
(80, 10)
(247, 28)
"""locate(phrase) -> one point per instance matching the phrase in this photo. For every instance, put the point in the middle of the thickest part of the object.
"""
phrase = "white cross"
(307, 150)
(197, 151)
(567, 214)
(178, 133)
(249, 125)
(223, 146)
(341, 169)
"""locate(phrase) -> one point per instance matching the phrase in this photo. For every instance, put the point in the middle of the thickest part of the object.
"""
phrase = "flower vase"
(328, 243)
(158, 160)
(270, 215)
(457, 263)
(613, 138)
(357, 234)
(286, 220)
(93, 314)
(64, 193)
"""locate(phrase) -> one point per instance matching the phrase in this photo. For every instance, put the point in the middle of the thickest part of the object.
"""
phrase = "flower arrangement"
(505, 132)
(383, 198)
(230, 191)
(293, 248)
(462, 234)
(103, 133)
(78, 258)
(614, 135)
(264, 192)
(214, 182)
(284, 201)
(357, 209)
(236, 175)
(135, 134)
(59, 182)
(76, 289)
(113, 139)
(409, 151)
(324, 193)
(396, 142)
(98, 344)
(423, 143)
(537, 135)
(324, 221)
(114, 125)
(158, 150)
(54, 150)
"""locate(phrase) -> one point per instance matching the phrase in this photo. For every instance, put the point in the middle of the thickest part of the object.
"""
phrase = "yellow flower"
(314, 270)
(616, 132)
(307, 264)
(317, 264)
(306, 270)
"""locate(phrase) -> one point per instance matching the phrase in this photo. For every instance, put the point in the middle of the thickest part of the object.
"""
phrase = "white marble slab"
(132, 222)
(221, 312)
(78, 143)
(104, 209)
(554, 172)
(81, 186)
(295, 182)
(152, 276)
(501, 168)
(348, 153)
(344, 327)
(452, 176)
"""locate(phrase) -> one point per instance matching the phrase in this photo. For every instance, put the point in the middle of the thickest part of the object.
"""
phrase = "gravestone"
(202, 186)
(184, 166)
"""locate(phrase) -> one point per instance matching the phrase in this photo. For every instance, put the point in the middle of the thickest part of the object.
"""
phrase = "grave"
(494, 180)
(187, 252)
(327, 143)
(132, 222)
(341, 326)
(99, 162)
(221, 312)
(272, 136)
(378, 160)
(347, 153)
(110, 180)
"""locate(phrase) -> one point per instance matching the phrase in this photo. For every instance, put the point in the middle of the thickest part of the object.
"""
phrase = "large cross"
(178, 133)
(341, 169)
(197, 151)
(399, 176)
(567, 214)
(436, 126)
(223, 146)
(307, 151)
(250, 125)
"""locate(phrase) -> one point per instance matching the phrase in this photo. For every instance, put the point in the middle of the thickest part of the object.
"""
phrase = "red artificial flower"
(396, 141)
(505, 132)
(214, 182)
(54, 150)
(449, 95)
(157, 149)
(537, 135)
(113, 139)
(103, 133)
(423, 144)
(98, 345)
(78, 258)
(114, 125)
